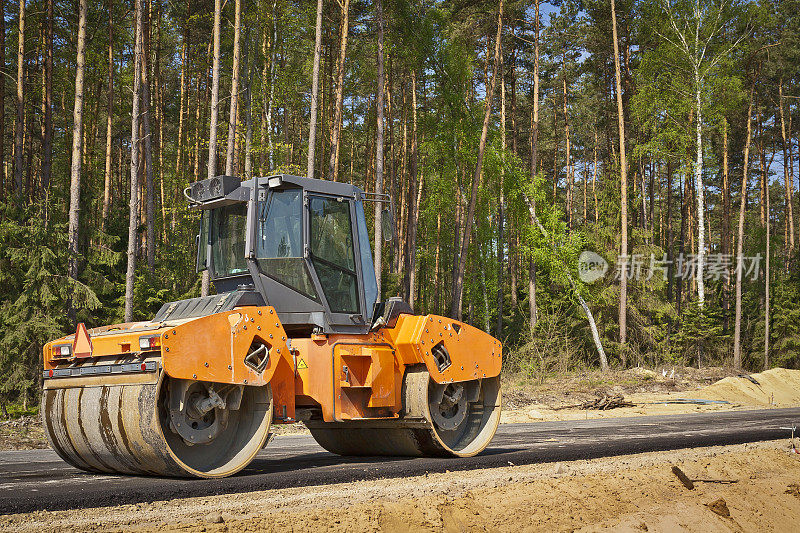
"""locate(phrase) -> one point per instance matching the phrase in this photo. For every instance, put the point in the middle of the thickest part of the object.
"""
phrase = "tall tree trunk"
(555, 149)
(109, 118)
(737, 334)
(333, 163)
(273, 44)
(158, 101)
(312, 128)
(184, 104)
(264, 103)
(392, 151)
(413, 207)
(413, 286)
(594, 181)
(47, 129)
(248, 145)
(214, 120)
(585, 183)
(501, 208)
(212, 137)
(458, 284)
(532, 308)
(436, 281)
(150, 209)
(234, 110)
(623, 174)
(670, 244)
(766, 267)
(685, 222)
(195, 155)
(482, 261)
(459, 201)
(513, 260)
(787, 177)
(570, 176)
(326, 96)
(698, 183)
(512, 233)
(130, 275)
(3, 75)
(398, 242)
(352, 150)
(77, 137)
(160, 114)
(197, 116)
(726, 224)
(378, 227)
(19, 125)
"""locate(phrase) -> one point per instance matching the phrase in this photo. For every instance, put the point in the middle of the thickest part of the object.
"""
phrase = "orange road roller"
(295, 333)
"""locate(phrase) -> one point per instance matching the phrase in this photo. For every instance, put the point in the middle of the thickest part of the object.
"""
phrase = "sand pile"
(778, 387)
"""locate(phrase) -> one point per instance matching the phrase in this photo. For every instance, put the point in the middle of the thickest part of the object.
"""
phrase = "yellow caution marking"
(301, 364)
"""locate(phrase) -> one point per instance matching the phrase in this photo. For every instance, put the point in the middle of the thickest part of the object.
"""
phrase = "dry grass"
(520, 390)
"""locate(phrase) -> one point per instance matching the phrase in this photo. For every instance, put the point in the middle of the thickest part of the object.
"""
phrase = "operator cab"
(301, 244)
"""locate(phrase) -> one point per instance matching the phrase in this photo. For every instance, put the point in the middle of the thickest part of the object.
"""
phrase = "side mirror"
(387, 224)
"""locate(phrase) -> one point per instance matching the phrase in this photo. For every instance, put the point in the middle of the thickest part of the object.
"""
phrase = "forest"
(597, 183)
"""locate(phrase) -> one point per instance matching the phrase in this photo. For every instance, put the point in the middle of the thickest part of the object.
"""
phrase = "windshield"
(228, 231)
(367, 266)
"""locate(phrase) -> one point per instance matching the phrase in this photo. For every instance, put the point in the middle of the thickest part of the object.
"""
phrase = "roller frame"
(371, 388)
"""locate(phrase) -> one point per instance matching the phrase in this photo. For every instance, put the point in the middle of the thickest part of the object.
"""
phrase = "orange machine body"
(349, 377)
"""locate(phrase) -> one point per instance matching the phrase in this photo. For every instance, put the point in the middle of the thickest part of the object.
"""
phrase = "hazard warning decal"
(82, 345)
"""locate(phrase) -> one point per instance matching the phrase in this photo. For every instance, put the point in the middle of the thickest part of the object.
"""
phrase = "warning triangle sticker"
(302, 364)
(82, 345)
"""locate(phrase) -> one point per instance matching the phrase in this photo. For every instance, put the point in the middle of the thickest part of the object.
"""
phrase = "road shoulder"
(633, 492)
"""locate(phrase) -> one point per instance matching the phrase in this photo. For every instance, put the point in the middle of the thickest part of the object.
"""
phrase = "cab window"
(228, 228)
(332, 254)
(279, 251)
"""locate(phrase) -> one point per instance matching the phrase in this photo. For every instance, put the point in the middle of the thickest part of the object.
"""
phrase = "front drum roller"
(170, 428)
(450, 419)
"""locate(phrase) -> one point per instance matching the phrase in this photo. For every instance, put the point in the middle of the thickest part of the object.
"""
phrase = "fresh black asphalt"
(37, 479)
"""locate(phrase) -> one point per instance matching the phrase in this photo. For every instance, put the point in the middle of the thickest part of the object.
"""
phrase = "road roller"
(295, 332)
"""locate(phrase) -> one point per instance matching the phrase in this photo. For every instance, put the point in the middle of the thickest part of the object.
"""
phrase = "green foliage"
(447, 46)
(37, 295)
(786, 326)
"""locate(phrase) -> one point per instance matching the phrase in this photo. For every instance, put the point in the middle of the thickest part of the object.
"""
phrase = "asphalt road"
(38, 479)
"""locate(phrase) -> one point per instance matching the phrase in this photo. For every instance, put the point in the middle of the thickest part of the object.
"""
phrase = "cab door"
(332, 251)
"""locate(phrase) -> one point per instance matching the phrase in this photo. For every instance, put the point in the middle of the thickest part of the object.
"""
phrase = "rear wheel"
(452, 419)
(169, 428)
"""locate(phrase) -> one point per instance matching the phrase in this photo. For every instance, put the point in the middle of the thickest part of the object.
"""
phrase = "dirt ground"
(752, 487)
(653, 392)
(662, 392)
(627, 493)
(24, 433)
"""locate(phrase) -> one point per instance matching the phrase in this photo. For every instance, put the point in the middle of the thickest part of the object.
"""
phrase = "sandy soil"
(653, 394)
(627, 493)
